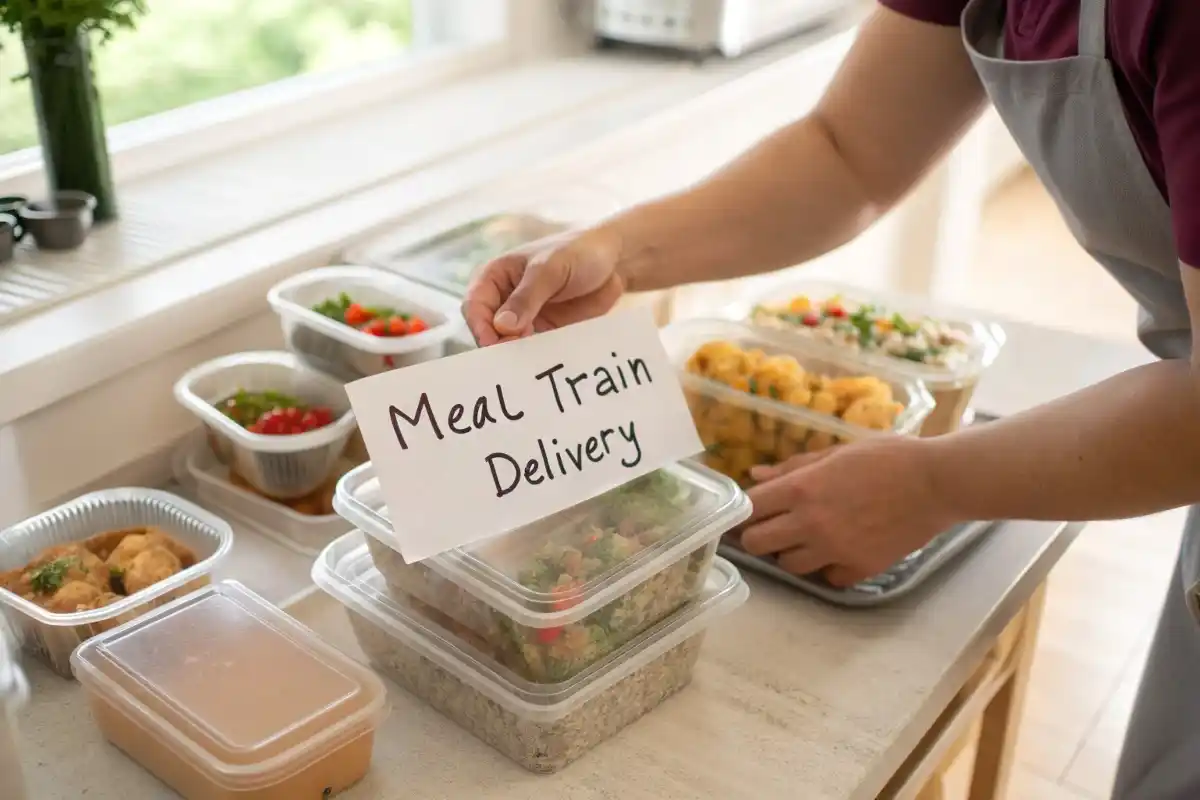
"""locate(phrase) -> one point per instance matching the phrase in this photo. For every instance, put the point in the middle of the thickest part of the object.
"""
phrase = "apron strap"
(1092, 24)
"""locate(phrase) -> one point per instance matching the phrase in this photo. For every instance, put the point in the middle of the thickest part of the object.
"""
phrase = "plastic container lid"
(985, 339)
(238, 689)
(682, 339)
(201, 388)
(346, 572)
(294, 298)
(696, 504)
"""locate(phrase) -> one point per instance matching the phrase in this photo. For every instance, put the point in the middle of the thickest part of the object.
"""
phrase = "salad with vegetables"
(870, 328)
(374, 320)
(559, 573)
(274, 413)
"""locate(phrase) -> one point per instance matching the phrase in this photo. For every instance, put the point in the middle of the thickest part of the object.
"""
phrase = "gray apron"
(1068, 120)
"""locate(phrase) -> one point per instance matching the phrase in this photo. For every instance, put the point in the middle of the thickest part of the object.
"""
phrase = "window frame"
(453, 39)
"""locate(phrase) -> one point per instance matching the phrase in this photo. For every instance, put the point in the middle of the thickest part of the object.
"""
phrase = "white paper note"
(480, 443)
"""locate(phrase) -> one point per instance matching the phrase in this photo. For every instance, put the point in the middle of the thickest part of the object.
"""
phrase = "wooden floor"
(1105, 595)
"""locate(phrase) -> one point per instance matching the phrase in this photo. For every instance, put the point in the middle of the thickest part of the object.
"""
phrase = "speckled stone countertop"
(791, 698)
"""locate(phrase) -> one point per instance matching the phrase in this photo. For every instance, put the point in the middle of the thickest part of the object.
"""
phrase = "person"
(1103, 97)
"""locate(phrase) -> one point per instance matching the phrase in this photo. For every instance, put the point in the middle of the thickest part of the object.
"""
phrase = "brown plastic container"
(222, 696)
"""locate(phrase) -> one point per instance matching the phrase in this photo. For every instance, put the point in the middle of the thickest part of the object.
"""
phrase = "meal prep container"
(278, 466)
(52, 637)
(641, 551)
(447, 261)
(14, 693)
(306, 534)
(543, 727)
(951, 386)
(742, 429)
(222, 696)
(348, 353)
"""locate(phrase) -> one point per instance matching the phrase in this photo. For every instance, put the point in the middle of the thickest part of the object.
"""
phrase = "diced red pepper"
(548, 635)
(835, 311)
(811, 320)
(389, 362)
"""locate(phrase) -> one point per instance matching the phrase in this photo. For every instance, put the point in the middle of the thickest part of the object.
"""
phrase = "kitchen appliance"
(704, 27)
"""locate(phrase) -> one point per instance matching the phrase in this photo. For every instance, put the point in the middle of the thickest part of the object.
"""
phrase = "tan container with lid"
(221, 696)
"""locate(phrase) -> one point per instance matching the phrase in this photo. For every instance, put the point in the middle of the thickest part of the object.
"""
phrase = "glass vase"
(70, 124)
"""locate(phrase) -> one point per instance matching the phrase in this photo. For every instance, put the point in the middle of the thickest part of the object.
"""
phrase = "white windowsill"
(212, 237)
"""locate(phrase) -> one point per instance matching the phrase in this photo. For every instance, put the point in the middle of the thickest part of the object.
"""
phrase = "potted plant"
(57, 37)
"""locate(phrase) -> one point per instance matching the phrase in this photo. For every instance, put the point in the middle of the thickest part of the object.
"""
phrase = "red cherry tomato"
(397, 326)
(417, 325)
(377, 327)
(548, 635)
(811, 320)
(356, 315)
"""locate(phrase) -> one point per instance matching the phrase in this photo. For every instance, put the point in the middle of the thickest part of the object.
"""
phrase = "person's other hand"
(545, 285)
(849, 512)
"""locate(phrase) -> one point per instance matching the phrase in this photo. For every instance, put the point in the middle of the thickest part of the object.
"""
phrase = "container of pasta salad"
(541, 726)
(554, 597)
(760, 397)
(906, 337)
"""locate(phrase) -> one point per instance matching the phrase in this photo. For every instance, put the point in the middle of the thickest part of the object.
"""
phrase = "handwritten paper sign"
(489, 440)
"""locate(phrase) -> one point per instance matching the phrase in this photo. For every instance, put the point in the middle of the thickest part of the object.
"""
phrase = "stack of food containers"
(911, 340)
(548, 639)
(13, 694)
(760, 396)
(279, 425)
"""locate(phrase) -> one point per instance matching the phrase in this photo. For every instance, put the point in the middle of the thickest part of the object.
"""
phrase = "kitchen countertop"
(791, 698)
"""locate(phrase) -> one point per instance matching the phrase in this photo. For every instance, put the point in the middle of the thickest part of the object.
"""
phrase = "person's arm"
(1130, 445)
(903, 96)
(1122, 448)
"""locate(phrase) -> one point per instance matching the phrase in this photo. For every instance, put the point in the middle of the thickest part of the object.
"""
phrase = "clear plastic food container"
(542, 727)
(759, 396)
(304, 533)
(279, 466)
(554, 597)
(913, 340)
(222, 696)
(344, 351)
(51, 636)
(14, 693)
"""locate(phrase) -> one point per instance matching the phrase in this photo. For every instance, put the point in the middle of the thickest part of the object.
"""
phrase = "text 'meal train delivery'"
(474, 445)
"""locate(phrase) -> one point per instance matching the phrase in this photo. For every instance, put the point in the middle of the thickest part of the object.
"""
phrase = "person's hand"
(849, 512)
(545, 285)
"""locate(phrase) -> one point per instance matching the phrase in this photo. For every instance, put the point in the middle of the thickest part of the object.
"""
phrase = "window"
(185, 51)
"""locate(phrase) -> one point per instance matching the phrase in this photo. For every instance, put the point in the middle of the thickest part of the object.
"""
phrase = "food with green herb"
(82, 576)
(738, 437)
(870, 328)
(556, 567)
(375, 320)
(274, 413)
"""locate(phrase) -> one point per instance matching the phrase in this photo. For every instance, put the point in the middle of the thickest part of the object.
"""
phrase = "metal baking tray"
(896, 582)
(447, 260)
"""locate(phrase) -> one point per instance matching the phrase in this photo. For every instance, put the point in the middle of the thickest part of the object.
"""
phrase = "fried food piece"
(151, 565)
(73, 596)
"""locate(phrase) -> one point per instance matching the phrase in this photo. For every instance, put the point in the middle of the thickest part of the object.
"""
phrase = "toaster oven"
(704, 27)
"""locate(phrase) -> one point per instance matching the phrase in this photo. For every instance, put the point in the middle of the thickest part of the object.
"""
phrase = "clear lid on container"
(233, 685)
(568, 565)
(345, 571)
(858, 401)
(974, 343)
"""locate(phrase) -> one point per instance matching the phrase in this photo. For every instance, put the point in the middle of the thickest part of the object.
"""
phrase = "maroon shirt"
(1154, 46)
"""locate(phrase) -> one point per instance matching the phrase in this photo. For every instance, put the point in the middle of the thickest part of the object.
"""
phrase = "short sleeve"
(1176, 59)
(938, 12)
